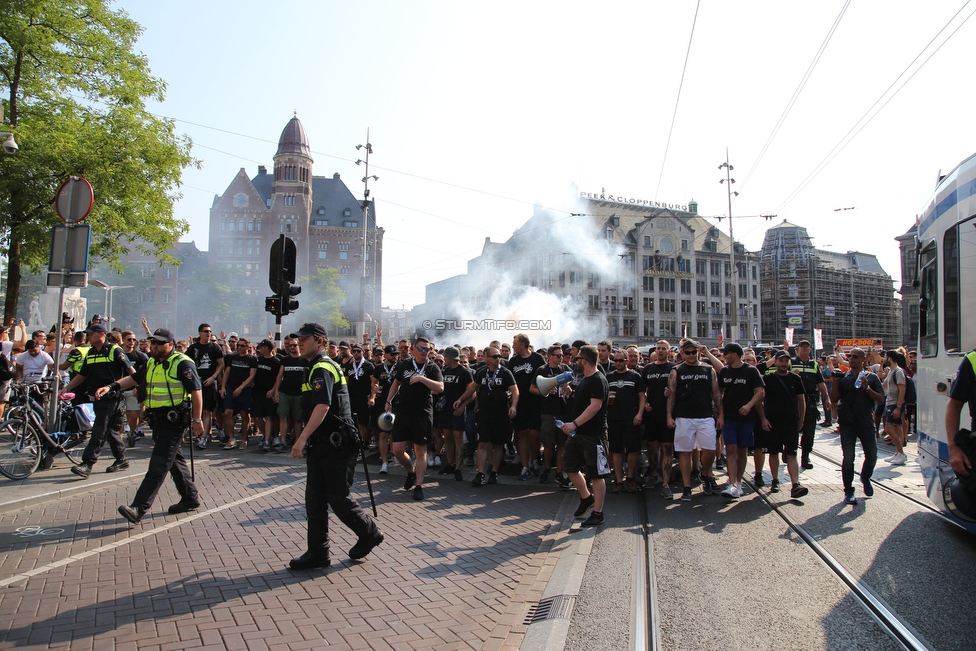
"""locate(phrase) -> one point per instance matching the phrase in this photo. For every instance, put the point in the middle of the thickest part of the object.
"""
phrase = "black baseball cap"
(96, 327)
(162, 336)
(391, 349)
(781, 353)
(732, 348)
(309, 330)
(267, 343)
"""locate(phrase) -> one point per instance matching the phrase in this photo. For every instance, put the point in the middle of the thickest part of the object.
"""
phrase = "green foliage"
(321, 299)
(77, 92)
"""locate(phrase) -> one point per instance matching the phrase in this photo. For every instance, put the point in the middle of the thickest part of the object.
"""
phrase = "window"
(167, 272)
(648, 304)
(630, 327)
(700, 307)
(593, 281)
(343, 246)
(701, 287)
(223, 224)
(343, 255)
(648, 283)
(321, 222)
(667, 329)
(755, 291)
(250, 225)
(702, 329)
(320, 211)
(685, 306)
(346, 212)
(289, 200)
(685, 285)
(701, 267)
(743, 291)
(593, 302)
(350, 224)
(728, 268)
(240, 250)
(627, 302)
(240, 225)
(151, 294)
(648, 328)
(684, 245)
(665, 285)
(322, 246)
(716, 289)
(167, 294)
(754, 272)
(562, 278)
(647, 240)
(959, 249)
(716, 268)
(666, 304)
(344, 271)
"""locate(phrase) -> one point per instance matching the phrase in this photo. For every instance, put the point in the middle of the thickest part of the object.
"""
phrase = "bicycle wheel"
(73, 448)
(20, 449)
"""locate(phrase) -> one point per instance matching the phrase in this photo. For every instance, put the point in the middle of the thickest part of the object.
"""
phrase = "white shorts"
(131, 400)
(691, 433)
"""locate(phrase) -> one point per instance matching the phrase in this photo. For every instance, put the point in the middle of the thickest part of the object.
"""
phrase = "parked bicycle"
(26, 443)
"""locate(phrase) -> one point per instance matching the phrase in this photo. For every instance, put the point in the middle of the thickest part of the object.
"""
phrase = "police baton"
(190, 429)
(362, 449)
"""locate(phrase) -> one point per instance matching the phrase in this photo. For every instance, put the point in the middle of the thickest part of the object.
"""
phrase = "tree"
(77, 102)
(323, 298)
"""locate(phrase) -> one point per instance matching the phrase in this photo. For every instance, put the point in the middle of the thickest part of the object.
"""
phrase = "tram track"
(646, 635)
(887, 619)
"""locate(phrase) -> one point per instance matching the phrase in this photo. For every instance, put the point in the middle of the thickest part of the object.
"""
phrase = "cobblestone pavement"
(457, 571)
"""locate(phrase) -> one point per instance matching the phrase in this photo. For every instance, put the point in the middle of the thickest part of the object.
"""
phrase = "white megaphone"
(385, 421)
(547, 384)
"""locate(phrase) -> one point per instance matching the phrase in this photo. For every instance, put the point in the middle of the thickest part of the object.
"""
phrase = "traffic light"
(289, 304)
(272, 304)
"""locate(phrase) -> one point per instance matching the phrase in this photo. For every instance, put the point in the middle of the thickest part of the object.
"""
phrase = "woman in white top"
(895, 387)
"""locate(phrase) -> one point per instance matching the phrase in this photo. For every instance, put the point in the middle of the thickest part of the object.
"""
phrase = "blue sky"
(478, 110)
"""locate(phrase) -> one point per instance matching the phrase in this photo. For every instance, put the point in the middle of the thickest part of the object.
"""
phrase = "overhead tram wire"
(796, 93)
(674, 115)
(846, 140)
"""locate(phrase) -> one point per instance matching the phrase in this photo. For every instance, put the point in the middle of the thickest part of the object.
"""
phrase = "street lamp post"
(362, 286)
(108, 296)
(728, 181)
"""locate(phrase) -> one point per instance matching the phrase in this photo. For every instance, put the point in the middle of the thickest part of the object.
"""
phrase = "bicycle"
(24, 440)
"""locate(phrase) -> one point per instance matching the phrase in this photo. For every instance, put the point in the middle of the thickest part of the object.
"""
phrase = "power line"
(677, 99)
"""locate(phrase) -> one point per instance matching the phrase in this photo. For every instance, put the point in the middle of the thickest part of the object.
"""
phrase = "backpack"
(911, 395)
(5, 372)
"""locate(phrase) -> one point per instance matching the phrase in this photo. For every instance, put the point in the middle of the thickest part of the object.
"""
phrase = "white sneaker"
(731, 492)
(898, 460)
(437, 461)
(383, 469)
(201, 444)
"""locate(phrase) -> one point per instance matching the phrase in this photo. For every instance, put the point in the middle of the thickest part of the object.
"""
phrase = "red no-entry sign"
(74, 199)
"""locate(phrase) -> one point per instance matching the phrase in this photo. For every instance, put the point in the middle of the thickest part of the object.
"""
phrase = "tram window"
(959, 264)
(928, 322)
(950, 271)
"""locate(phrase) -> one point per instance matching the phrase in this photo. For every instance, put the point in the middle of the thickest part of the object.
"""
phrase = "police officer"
(333, 444)
(815, 388)
(173, 399)
(103, 365)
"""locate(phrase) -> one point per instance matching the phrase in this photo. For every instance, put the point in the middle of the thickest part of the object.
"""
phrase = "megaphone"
(385, 421)
(547, 384)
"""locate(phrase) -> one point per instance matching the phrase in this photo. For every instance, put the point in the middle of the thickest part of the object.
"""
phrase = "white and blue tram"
(946, 273)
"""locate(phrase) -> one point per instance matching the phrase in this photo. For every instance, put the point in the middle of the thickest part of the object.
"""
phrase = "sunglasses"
(555, 354)
(423, 349)
(205, 332)
(689, 352)
(493, 356)
(620, 361)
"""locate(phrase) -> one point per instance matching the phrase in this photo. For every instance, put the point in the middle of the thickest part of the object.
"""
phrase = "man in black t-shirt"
(527, 421)
(963, 391)
(553, 406)
(625, 414)
(450, 420)
(855, 394)
(209, 360)
(235, 390)
(497, 401)
(288, 394)
(586, 449)
(359, 378)
(657, 433)
(263, 407)
(784, 410)
(416, 380)
(133, 405)
(742, 393)
(381, 382)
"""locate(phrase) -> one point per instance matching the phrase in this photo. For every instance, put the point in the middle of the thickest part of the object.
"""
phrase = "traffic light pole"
(281, 275)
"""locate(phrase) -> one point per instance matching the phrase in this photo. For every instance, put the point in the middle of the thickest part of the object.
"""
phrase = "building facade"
(847, 295)
(909, 292)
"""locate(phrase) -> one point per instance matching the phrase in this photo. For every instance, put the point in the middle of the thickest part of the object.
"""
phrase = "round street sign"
(74, 199)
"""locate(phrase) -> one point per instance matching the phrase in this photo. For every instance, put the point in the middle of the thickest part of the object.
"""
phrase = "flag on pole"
(818, 339)
(789, 336)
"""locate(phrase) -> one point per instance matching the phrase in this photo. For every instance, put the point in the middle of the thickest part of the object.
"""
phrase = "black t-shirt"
(554, 404)
(523, 369)
(137, 358)
(103, 367)
(238, 367)
(359, 383)
(494, 388)
(738, 385)
(626, 388)
(266, 375)
(964, 390)
(456, 381)
(295, 370)
(590, 388)
(205, 356)
(693, 391)
(656, 381)
(855, 406)
(780, 400)
(384, 378)
(416, 398)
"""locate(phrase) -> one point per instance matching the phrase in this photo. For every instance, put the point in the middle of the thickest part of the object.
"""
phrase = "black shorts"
(495, 429)
(416, 427)
(263, 406)
(447, 421)
(780, 441)
(210, 397)
(587, 454)
(624, 436)
(656, 430)
(360, 411)
(527, 419)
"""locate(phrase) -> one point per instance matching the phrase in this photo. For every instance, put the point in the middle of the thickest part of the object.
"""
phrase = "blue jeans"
(849, 435)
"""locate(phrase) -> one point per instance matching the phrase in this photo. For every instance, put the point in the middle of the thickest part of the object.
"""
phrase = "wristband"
(115, 386)
(575, 424)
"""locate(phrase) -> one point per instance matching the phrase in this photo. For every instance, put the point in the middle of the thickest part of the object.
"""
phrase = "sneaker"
(492, 477)
(131, 514)
(686, 495)
(720, 463)
(458, 475)
(418, 493)
(139, 433)
(584, 506)
(898, 460)
(479, 479)
(183, 506)
(666, 492)
(631, 485)
(526, 473)
(83, 470)
(563, 480)
(364, 547)
(595, 519)
(120, 464)
(731, 492)
(544, 476)
(437, 461)
(409, 481)
(278, 447)
(850, 499)
(201, 444)
(708, 485)
(773, 486)
(805, 463)
(617, 487)
(868, 487)
(534, 469)
(445, 470)
(798, 491)
(221, 436)
(384, 468)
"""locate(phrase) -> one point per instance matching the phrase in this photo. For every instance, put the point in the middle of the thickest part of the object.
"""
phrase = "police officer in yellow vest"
(333, 443)
(103, 364)
(963, 391)
(174, 400)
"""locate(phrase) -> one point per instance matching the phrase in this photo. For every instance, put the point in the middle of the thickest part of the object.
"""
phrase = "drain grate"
(557, 607)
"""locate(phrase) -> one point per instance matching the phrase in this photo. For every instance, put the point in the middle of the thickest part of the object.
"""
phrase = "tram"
(945, 248)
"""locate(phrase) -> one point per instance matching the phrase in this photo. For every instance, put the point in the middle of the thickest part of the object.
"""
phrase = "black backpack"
(911, 395)
(5, 372)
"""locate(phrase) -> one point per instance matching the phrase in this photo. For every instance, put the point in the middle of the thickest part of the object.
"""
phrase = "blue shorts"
(891, 420)
(739, 433)
(241, 403)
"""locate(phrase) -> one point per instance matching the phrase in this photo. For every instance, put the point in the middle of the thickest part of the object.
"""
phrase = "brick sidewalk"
(457, 571)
